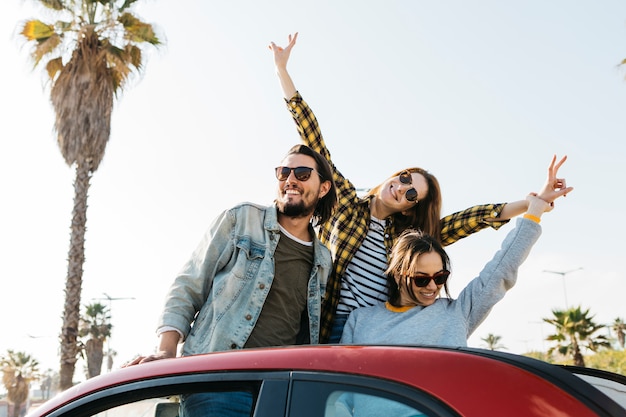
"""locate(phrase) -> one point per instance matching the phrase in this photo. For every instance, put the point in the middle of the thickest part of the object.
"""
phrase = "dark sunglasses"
(440, 278)
(301, 173)
(406, 178)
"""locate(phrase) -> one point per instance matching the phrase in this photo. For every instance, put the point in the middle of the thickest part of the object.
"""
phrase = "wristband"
(532, 217)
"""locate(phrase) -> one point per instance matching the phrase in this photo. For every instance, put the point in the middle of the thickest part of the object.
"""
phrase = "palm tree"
(574, 330)
(46, 381)
(493, 342)
(18, 370)
(89, 55)
(619, 328)
(96, 326)
(110, 355)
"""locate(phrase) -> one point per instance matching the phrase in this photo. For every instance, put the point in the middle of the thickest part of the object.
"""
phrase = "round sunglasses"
(301, 173)
(406, 178)
(440, 278)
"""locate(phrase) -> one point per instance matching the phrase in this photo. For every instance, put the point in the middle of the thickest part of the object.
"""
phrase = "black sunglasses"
(301, 173)
(406, 178)
(440, 278)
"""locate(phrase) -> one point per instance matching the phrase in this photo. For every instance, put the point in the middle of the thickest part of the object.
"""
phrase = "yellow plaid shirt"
(347, 229)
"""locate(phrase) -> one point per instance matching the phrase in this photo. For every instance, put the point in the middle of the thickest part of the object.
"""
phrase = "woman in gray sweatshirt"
(418, 272)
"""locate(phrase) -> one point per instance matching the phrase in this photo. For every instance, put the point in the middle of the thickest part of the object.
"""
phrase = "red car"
(315, 381)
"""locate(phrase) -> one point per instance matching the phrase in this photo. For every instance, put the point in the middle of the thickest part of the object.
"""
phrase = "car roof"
(461, 375)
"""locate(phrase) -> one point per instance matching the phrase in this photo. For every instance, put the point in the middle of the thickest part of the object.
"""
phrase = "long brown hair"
(426, 214)
(410, 246)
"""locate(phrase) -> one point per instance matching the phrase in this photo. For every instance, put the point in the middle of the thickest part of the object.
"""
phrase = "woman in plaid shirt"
(363, 230)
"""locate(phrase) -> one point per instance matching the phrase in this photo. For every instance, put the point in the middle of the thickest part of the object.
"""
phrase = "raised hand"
(281, 55)
(554, 187)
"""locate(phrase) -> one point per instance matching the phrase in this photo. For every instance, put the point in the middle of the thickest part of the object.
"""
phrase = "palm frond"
(63, 26)
(134, 54)
(119, 64)
(53, 67)
(127, 4)
(138, 31)
(36, 30)
(54, 4)
(46, 47)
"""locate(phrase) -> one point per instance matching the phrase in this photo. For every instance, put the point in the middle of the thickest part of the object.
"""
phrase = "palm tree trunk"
(94, 350)
(18, 394)
(17, 408)
(74, 281)
(579, 360)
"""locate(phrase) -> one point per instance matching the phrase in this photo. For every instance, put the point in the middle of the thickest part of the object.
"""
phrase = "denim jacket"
(223, 286)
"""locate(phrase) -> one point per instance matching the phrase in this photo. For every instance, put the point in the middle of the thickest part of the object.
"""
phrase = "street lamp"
(562, 274)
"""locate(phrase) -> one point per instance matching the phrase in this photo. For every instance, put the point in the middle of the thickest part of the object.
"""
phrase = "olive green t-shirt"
(282, 314)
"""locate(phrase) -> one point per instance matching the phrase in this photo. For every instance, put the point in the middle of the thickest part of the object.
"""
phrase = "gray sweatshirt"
(447, 322)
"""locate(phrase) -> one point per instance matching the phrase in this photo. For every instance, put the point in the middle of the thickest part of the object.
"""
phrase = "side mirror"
(166, 409)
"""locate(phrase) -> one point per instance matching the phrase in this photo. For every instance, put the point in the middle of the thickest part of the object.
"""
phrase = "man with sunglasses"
(256, 279)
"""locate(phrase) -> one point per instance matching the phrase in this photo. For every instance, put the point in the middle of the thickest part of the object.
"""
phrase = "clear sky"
(480, 93)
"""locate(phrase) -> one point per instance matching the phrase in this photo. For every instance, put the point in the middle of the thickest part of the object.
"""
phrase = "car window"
(354, 404)
(333, 395)
(199, 395)
(197, 404)
(157, 407)
(613, 388)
